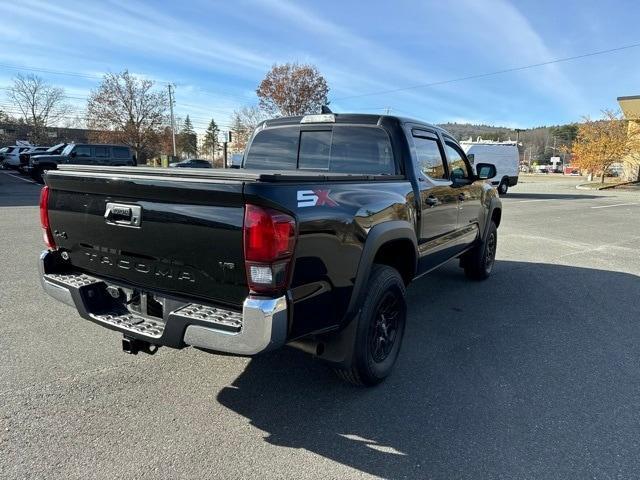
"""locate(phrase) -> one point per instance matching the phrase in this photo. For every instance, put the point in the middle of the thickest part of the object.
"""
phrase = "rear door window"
(101, 152)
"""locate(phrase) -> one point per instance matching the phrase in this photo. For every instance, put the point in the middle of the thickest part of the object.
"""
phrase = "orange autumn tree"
(601, 143)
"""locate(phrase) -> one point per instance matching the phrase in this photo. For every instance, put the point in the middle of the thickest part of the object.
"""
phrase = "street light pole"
(173, 123)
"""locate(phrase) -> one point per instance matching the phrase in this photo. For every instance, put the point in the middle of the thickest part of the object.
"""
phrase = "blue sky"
(217, 52)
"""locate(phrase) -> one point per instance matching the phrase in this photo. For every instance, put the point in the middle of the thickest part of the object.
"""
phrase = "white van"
(504, 155)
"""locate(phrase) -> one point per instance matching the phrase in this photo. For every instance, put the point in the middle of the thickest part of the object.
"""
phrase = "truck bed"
(234, 174)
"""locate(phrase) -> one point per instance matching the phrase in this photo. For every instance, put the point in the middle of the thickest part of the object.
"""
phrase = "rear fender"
(338, 347)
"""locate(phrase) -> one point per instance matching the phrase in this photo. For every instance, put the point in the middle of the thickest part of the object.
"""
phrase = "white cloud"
(507, 39)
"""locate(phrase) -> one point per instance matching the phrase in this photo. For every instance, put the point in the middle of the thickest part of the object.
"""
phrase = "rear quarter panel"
(333, 222)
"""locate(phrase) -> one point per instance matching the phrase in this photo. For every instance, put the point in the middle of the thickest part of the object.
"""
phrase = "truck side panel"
(333, 223)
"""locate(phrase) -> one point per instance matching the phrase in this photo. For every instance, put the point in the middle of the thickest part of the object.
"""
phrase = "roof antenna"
(325, 109)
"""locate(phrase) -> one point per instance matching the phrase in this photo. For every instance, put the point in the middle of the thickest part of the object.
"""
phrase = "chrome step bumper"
(261, 325)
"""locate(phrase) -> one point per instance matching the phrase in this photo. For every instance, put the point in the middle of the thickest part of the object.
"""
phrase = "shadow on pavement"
(533, 373)
(552, 196)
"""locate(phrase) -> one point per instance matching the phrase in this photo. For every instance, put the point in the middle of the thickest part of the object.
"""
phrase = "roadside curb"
(603, 187)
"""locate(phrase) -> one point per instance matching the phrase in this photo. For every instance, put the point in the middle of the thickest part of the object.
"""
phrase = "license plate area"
(138, 302)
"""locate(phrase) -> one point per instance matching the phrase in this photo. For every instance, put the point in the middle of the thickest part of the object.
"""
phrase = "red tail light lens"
(269, 241)
(44, 219)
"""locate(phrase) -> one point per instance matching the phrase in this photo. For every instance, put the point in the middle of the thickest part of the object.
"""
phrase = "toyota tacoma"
(311, 243)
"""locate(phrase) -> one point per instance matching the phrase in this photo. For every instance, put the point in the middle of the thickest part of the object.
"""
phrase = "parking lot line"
(20, 178)
(616, 205)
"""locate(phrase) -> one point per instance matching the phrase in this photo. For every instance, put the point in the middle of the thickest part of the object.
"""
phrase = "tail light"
(44, 219)
(269, 241)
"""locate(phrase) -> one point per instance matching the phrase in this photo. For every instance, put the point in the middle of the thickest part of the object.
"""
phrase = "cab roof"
(357, 118)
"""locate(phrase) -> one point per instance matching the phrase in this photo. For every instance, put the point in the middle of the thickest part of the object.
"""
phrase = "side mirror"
(486, 171)
(471, 157)
(73, 154)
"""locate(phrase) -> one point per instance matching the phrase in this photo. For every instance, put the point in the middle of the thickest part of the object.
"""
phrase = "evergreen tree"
(210, 142)
(188, 140)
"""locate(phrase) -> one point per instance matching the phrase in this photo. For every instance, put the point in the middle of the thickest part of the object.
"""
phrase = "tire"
(380, 329)
(478, 263)
(503, 188)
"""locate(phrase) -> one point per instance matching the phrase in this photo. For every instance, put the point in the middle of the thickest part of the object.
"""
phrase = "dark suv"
(82, 154)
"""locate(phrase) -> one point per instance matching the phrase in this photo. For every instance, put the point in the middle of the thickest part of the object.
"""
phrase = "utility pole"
(518, 130)
(173, 123)
(227, 139)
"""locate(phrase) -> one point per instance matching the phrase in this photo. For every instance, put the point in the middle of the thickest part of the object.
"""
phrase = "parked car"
(11, 156)
(26, 155)
(82, 154)
(191, 163)
(504, 155)
(311, 243)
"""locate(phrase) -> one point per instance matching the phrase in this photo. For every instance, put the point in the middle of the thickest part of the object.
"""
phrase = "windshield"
(339, 148)
(54, 148)
(68, 148)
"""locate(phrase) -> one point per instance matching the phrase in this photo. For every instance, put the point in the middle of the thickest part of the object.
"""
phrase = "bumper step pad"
(132, 322)
(72, 280)
(223, 319)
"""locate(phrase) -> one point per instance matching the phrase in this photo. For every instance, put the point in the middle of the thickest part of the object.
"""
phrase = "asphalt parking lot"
(534, 373)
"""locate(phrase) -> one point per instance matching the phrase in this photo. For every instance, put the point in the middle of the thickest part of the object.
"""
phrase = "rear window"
(274, 149)
(120, 152)
(342, 149)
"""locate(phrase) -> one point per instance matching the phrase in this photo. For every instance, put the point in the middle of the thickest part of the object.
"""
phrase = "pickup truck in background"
(26, 156)
(81, 154)
(311, 243)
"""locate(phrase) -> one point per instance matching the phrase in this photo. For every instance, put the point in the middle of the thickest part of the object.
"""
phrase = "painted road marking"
(615, 205)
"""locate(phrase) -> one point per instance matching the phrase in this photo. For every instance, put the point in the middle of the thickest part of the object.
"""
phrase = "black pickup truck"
(311, 243)
(80, 154)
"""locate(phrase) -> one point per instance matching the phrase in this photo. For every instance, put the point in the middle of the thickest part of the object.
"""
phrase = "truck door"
(102, 155)
(438, 200)
(467, 191)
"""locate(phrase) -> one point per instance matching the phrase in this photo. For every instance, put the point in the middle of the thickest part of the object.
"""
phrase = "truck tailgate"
(172, 234)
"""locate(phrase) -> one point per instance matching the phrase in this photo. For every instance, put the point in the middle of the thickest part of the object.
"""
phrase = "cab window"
(429, 157)
(459, 168)
(83, 151)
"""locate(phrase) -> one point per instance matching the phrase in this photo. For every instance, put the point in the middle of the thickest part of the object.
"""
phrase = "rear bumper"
(262, 324)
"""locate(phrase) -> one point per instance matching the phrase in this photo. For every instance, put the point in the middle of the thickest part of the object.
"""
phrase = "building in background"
(631, 108)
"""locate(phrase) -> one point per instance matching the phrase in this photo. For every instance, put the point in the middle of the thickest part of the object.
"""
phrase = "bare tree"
(127, 109)
(243, 123)
(40, 104)
(293, 89)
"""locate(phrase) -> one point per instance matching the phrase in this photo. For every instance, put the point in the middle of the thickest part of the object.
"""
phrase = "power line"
(51, 71)
(489, 74)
